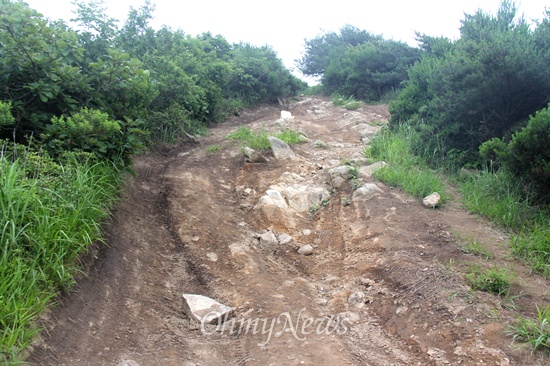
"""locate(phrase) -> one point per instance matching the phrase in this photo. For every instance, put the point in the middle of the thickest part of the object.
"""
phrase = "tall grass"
(405, 169)
(46, 220)
(507, 201)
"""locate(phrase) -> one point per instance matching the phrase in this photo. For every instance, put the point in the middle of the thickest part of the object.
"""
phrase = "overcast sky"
(284, 24)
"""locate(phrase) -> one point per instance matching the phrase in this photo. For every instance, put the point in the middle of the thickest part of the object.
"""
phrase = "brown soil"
(388, 271)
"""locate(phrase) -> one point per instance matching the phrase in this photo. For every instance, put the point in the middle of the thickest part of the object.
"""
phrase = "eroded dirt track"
(383, 282)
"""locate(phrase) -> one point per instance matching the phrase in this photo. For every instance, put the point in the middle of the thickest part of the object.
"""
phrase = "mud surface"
(384, 286)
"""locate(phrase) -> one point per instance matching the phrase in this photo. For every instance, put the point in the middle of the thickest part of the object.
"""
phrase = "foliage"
(405, 169)
(6, 118)
(482, 86)
(535, 331)
(494, 280)
(258, 140)
(357, 63)
(94, 132)
(45, 221)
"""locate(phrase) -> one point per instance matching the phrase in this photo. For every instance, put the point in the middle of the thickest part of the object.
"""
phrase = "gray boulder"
(337, 176)
(280, 149)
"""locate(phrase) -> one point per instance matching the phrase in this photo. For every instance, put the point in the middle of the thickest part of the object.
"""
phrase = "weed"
(314, 209)
(535, 331)
(345, 201)
(258, 140)
(212, 149)
(348, 103)
(255, 140)
(289, 136)
(494, 280)
(472, 246)
(353, 173)
(325, 202)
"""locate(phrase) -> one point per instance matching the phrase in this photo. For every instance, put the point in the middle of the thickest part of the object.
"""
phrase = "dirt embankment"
(383, 285)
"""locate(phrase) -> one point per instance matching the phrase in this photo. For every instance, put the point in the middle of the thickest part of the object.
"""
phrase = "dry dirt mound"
(382, 285)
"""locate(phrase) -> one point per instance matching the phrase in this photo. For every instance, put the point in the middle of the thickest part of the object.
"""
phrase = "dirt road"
(384, 284)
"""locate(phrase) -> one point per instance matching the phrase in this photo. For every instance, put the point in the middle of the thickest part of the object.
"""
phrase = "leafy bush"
(6, 118)
(527, 155)
(482, 86)
(95, 132)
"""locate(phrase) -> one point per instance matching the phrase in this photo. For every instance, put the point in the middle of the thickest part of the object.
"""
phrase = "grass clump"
(348, 103)
(48, 215)
(258, 140)
(509, 203)
(212, 149)
(494, 280)
(535, 331)
(404, 169)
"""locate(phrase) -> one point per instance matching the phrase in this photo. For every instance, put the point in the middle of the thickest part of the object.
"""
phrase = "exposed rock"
(280, 149)
(305, 250)
(369, 170)
(204, 309)
(432, 201)
(269, 241)
(301, 197)
(356, 298)
(285, 239)
(286, 115)
(275, 209)
(320, 144)
(128, 363)
(290, 178)
(306, 232)
(239, 249)
(338, 176)
(366, 191)
(213, 257)
(252, 156)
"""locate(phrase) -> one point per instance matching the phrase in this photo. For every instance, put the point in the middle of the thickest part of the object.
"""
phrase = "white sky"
(284, 24)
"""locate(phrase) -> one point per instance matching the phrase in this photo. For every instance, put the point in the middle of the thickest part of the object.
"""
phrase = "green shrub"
(95, 132)
(6, 118)
(529, 153)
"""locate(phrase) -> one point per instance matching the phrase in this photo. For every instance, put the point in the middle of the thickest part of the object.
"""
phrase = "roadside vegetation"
(78, 101)
(472, 113)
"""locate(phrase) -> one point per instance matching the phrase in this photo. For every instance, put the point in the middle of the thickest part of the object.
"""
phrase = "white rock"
(432, 201)
(204, 309)
(269, 241)
(128, 363)
(305, 250)
(286, 115)
(301, 198)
